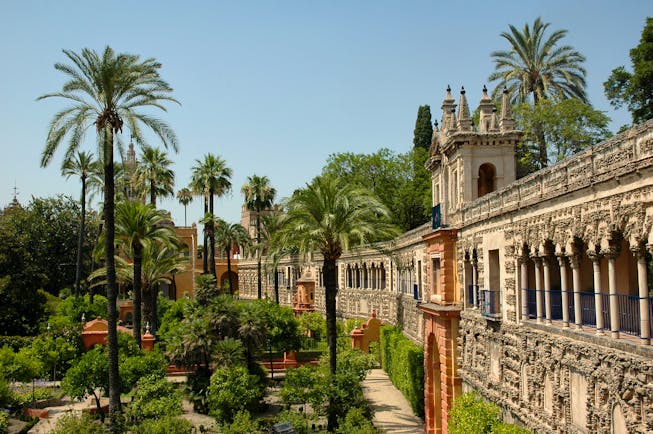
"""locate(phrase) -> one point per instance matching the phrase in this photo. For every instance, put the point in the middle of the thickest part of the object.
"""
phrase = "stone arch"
(487, 179)
(433, 392)
(224, 281)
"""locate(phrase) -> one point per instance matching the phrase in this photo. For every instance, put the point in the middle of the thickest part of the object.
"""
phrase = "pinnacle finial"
(462, 90)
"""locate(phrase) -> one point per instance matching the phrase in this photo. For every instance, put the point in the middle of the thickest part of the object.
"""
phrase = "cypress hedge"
(404, 363)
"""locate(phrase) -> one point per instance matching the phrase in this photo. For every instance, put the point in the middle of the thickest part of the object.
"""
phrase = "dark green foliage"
(154, 398)
(567, 127)
(21, 366)
(635, 90)
(85, 424)
(5, 393)
(4, 422)
(206, 288)
(423, 128)
(233, 390)
(471, 414)
(90, 373)
(299, 385)
(356, 422)
(164, 425)
(400, 181)
(15, 342)
(404, 363)
(242, 424)
(145, 363)
(300, 421)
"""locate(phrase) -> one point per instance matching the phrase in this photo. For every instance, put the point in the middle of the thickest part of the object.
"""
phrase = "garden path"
(392, 412)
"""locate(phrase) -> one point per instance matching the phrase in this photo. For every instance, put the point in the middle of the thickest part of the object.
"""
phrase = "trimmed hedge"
(404, 363)
(16, 342)
(472, 414)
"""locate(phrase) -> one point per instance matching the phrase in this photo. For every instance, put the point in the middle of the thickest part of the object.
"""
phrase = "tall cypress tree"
(423, 128)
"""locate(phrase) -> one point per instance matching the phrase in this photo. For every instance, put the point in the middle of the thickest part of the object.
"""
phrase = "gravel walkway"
(392, 413)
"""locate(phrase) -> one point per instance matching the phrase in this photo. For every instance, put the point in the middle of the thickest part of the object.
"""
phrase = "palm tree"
(82, 165)
(259, 196)
(538, 67)
(137, 226)
(271, 227)
(211, 177)
(331, 217)
(229, 237)
(185, 196)
(154, 172)
(106, 90)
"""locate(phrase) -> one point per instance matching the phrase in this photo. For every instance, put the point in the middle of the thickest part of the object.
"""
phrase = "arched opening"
(486, 179)
(434, 386)
(618, 421)
(224, 281)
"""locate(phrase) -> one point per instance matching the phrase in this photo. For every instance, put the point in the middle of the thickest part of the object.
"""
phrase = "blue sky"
(275, 87)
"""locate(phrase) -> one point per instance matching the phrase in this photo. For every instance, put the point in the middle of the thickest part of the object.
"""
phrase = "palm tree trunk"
(112, 287)
(80, 239)
(185, 222)
(330, 301)
(138, 264)
(259, 252)
(212, 237)
(152, 194)
(539, 134)
(205, 247)
(231, 286)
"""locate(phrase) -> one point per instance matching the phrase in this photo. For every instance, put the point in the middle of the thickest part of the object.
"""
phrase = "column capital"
(639, 250)
(561, 258)
(593, 255)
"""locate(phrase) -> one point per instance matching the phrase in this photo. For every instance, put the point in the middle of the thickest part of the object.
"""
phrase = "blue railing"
(531, 303)
(490, 303)
(628, 309)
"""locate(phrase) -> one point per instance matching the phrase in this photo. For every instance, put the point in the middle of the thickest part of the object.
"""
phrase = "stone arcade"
(533, 292)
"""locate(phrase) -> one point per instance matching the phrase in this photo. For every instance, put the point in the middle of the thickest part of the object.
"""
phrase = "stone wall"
(554, 381)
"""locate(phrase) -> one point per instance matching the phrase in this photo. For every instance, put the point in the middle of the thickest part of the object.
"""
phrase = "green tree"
(400, 180)
(229, 237)
(212, 177)
(538, 67)
(259, 196)
(233, 390)
(154, 172)
(332, 217)
(423, 128)
(568, 126)
(635, 90)
(82, 165)
(185, 196)
(85, 377)
(106, 90)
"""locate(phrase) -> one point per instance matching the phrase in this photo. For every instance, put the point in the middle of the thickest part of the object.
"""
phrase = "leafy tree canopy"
(400, 181)
(568, 126)
(423, 128)
(635, 90)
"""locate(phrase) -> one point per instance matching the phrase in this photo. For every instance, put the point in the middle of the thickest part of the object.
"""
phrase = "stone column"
(563, 289)
(524, 287)
(598, 299)
(644, 301)
(612, 290)
(538, 288)
(574, 261)
(547, 289)
(475, 282)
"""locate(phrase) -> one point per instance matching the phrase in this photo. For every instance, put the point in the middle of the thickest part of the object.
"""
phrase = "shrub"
(73, 424)
(154, 398)
(300, 421)
(21, 366)
(164, 425)
(25, 394)
(300, 385)
(5, 393)
(470, 413)
(404, 363)
(242, 424)
(4, 422)
(231, 391)
(143, 364)
(15, 342)
(356, 422)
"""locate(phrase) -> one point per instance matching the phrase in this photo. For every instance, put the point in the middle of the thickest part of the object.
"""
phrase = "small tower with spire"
(468, 162)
